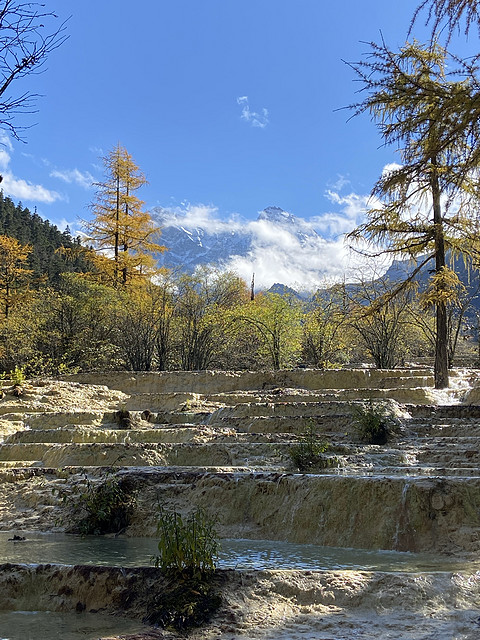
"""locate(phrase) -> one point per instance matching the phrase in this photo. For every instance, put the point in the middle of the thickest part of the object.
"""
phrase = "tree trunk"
(441, 337)
(116, 235)
(441, 353)
(7, 299)
(125, 245)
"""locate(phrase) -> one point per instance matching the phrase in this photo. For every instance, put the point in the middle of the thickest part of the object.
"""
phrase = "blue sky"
(231, 105)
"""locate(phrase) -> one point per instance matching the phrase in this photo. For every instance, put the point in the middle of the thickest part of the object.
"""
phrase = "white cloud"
(339, 183)
(302, 260)
(205, 216)
(4, 159)
(389, 168)
(18, 187)
(5, 141)
(254, 118)
(301, 267)
(352, 211)
(73, 225)
(84, 180)
(24, 190)
(5, 153)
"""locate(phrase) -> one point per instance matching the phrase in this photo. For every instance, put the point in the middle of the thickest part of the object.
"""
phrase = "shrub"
(189, 543)
(17, 376)
(184, 602)
(188, 549)
(308, 454)
(104, 507)
(374, 422)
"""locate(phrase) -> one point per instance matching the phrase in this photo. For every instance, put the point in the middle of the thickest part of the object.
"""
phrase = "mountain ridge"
(218, 242)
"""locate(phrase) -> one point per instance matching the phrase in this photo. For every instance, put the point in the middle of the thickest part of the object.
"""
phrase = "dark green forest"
(46, 259)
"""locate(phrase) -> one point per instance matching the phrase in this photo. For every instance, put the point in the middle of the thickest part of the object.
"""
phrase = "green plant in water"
(188, 549)
(308, 454)
(374, 422)
(188, 543)
(104, 507)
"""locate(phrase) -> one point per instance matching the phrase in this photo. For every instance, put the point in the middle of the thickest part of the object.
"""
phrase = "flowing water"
(459, 385)
(59, 548)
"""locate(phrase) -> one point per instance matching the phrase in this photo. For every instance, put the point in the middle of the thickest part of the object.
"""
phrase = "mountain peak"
(271, 245)
(276, 214)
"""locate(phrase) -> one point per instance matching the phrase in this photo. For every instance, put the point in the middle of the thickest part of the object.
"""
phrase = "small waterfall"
(402, 540)
(460, 384)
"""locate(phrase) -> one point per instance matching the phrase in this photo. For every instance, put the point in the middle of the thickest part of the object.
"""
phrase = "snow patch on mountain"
(278, 246)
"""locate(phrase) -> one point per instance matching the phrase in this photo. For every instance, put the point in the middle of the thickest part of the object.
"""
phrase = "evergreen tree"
(49, 256)
(450, 13)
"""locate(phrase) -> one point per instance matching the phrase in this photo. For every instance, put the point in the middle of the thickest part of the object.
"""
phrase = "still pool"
(60, 548)
(43, 625)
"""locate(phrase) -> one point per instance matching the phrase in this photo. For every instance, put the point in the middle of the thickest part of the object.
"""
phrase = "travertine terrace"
(220, 440)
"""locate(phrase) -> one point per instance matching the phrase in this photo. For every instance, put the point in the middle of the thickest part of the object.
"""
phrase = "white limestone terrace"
(221, 440)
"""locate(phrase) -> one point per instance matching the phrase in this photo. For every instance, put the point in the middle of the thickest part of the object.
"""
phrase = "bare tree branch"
(26, 40)
(447, 16)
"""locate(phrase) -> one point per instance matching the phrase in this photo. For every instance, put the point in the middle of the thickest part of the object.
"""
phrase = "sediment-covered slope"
(267, 604)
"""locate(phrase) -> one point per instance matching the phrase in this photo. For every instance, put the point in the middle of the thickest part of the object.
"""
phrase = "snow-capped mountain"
(277, 216)
(220, 243)
(191, 246)
(277, 247)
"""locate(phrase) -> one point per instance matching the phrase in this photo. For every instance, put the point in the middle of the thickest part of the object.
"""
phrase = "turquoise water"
(59, 548)
(129, 552)
(45, 625)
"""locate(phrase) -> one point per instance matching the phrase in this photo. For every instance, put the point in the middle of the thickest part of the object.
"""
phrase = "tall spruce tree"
(428, 204)
(121, 231)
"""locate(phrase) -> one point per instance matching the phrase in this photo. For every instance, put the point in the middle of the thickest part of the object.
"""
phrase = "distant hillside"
(401, 269)
(45, 238)
(283, 290)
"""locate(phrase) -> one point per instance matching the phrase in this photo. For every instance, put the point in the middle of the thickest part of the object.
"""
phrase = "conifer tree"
(429, 203)
(121, 231)
(449, 14)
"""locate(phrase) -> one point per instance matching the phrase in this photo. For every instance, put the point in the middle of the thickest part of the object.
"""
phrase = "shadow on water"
(37, 625)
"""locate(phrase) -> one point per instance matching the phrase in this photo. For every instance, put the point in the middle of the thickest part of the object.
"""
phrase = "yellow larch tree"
(14, 276)
(123, 234)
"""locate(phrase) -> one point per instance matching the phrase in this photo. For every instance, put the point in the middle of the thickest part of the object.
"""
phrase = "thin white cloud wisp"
(18, 187)
(254, 118)
(74, 176)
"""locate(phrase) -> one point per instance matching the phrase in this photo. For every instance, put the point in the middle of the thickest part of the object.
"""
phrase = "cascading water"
(402, 540)
(459, 385)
